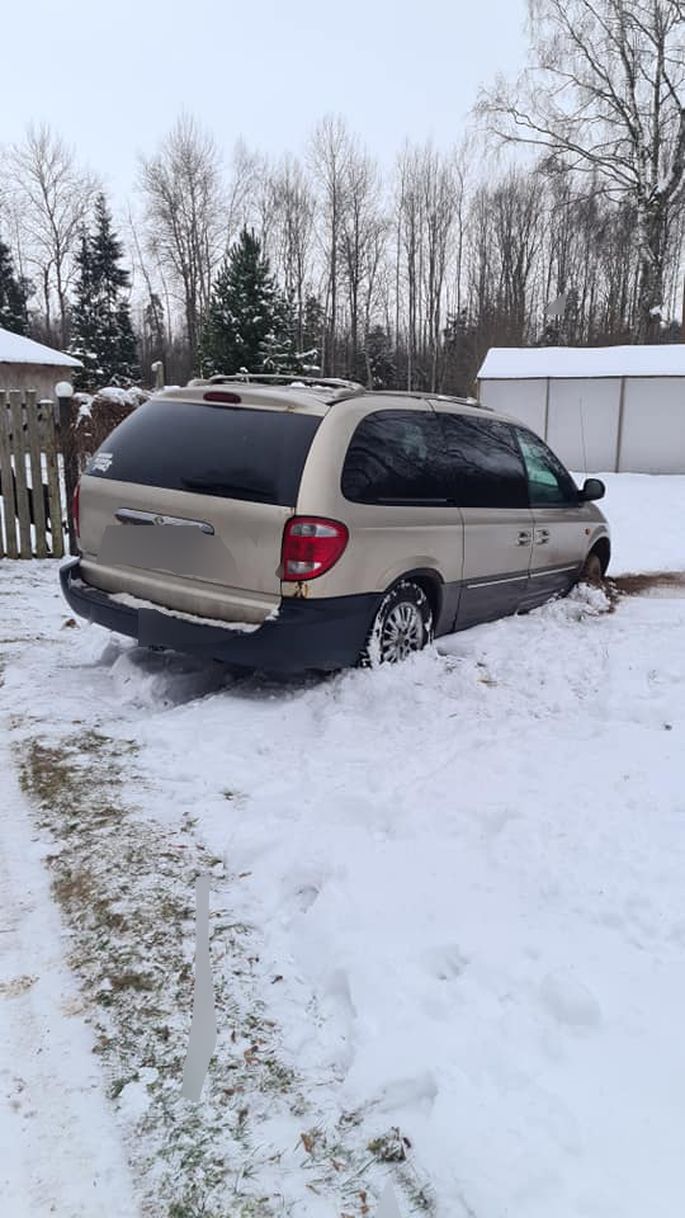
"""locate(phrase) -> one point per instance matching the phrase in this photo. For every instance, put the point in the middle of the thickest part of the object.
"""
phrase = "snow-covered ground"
(448, 915)
(647, 516)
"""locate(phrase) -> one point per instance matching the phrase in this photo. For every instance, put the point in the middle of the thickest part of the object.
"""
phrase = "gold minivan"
(311, 525)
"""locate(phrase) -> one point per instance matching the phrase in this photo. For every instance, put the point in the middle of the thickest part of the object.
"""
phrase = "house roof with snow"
(15, 349)
(532, 363)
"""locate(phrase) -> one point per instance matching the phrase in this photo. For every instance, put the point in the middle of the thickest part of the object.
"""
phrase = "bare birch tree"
(295, 207)
(428, 202)
(460, 179)
(246, 172)
(52, 198)
(605, 96)
(517, 211)
(362, 228)
(329, 158)
(375, 293)
(439, 207)
(409, 237)
(186, 215)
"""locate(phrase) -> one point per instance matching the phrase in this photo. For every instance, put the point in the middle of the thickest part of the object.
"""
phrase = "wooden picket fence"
(32, 515)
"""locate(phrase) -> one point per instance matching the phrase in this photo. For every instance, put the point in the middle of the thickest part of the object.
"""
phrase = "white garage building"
(25, 364)
(600, 408)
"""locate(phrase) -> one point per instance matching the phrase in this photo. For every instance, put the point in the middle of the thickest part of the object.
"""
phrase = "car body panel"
(497, 557)
(232, 571)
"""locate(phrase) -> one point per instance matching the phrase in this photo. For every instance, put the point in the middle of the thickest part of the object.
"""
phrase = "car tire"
(593, 571)
(403, 625)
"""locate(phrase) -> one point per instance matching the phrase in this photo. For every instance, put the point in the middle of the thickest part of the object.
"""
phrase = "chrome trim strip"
(553, 571)
(515, 579)
(490, 583)
(133, 516)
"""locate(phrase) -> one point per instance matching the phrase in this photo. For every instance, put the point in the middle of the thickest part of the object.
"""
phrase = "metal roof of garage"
(15, 349)
(534, 363)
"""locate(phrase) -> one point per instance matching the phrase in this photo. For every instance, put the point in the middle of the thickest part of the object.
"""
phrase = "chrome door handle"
(524, 538)
(541, 537)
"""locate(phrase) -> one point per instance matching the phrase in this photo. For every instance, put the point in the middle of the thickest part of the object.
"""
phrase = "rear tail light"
(311, 546)
(75, 510)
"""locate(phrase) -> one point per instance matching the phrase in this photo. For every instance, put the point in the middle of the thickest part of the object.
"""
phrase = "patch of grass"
(390, 1147)
(278, 1077)
(45, 774)
(92, 742)
(420, 1197)
(72, 888)
(131, 981)
(109, 918)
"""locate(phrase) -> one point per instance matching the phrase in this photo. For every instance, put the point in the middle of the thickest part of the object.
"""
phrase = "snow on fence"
(32, 512)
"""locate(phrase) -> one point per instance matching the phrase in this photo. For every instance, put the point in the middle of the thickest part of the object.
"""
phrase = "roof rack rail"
(278, 378)
(426, 395)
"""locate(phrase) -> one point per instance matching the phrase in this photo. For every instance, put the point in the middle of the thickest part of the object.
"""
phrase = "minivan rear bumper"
(306, 634)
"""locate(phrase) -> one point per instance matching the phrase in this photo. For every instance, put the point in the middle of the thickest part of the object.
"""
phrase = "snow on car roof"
(15, 349)
(524, 363)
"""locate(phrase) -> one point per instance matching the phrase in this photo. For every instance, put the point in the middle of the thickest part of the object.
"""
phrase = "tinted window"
(395, 457)
(549, 483)
(485, 461)
(234, 453)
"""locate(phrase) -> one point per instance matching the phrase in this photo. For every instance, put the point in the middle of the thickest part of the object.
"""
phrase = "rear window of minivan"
(229, 452)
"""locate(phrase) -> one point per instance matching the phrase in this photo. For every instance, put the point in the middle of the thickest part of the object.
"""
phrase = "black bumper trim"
(324, 634)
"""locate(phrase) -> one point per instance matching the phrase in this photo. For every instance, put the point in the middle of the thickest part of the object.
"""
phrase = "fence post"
(64, 392)
(45, 413)
(21, 488)
(9, 507)
(38, 495)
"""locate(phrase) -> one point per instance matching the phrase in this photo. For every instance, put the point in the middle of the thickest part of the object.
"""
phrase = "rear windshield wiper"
(227, 490)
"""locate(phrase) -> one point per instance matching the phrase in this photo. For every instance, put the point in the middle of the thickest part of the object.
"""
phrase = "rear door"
(491, 490)
(561, 523)
(398, 503)
(185, 503)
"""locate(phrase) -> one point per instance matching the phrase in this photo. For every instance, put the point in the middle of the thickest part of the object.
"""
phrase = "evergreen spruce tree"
(378, 357)
(84, 317)
(101, 317)
(14, 294)
(249, 322)
(313, 326)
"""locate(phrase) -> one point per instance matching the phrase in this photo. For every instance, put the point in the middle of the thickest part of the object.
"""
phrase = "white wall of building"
(524, 400)
(582, 424)
(653, 439)
(40, 377)
(583, 421)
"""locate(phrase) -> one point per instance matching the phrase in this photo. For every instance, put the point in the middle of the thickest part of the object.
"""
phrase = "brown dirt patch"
(639, 584)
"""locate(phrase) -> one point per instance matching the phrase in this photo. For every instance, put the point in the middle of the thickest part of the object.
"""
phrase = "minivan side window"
(485, 462)
(397, 457)
(548, 482)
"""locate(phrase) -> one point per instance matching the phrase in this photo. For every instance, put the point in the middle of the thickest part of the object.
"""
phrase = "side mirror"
(593, 488)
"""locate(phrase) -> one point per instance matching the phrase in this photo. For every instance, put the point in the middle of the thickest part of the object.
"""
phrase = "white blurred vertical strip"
(388, 1207)
(203, 1027)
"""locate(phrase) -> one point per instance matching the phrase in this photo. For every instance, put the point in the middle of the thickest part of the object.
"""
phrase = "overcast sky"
(112, 77)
